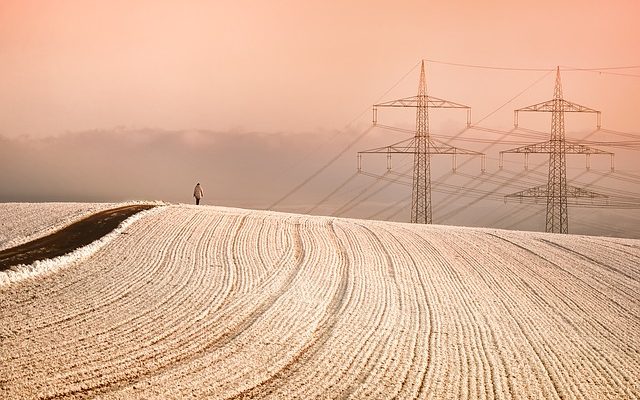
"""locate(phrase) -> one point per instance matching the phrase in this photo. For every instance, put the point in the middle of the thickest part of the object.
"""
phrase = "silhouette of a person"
(198, 193)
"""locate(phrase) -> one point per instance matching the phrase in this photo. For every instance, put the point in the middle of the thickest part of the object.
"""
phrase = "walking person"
(198, 193)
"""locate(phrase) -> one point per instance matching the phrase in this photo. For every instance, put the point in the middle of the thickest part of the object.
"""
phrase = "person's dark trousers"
(197, 201)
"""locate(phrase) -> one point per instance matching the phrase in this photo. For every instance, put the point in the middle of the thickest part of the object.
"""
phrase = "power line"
(486, 66)
(624, 134)
(353, 202)
(566, 68)
(604, 70)
(321, 169)
(518, 222)
(390, 206)
(514, 97)
(336, 190)
(295, 189)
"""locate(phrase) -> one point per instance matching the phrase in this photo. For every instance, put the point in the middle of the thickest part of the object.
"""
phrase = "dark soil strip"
(70, 238)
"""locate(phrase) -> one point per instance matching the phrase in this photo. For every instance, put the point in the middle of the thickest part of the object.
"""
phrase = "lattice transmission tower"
(421, 145)
(556, 192)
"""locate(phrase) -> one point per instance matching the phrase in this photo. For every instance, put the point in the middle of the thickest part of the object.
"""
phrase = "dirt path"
(70, 238)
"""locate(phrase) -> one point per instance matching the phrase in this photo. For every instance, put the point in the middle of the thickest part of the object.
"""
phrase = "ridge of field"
(209, 302)
(70, 239)
(24, 222)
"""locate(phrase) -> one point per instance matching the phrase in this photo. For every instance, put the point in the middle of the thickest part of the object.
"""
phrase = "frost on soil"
(208, 302)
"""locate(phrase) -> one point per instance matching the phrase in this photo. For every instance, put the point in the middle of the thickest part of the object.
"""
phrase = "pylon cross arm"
(576, 148)
(541, 192)
(542, 147)
(578, 192)
(408, 146)
(404, 146)
(547, 147)
(431, 102)
(437, 147)
(534, 192)
(565, 105)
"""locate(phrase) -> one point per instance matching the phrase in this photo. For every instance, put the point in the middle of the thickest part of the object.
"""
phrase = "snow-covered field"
(212, 302)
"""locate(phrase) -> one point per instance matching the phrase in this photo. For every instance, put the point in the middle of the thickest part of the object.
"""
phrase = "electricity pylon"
(556, 191)
(422, 146)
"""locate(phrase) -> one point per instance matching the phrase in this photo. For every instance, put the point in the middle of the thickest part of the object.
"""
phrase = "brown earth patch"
(70, 238)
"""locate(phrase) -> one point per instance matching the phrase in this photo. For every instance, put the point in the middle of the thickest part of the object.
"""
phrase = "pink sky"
(298, 66)
(144, 98)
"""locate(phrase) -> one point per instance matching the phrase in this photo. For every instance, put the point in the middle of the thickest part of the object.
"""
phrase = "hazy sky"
(275, 66)
(239, 94)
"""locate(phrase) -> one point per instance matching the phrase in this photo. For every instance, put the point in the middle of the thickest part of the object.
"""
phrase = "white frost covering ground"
(206, 302)
(19, 272)
(23, 222)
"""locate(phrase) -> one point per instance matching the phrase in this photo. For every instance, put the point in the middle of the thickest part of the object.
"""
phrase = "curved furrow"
(565, 326)
(264, 257)
(107, 348)
(45, 288)
(593, 295)
(612, 271)
(57, 294)
(628, 246)
(60, 307)
(112, 292)
(164, 335)
(340, 370)
(491, 381)
(525, 332)
(370, 324)
(178, 300)
(486, 265)
(552, 305)
(369, 351)
(479, 356)
(301, 371)
(611, 366)
(219, 342)
(466, 363)
(611, 253)
(110, 348)
(433, 325)
(243, 253)
(198, 338)
(320, 334)
(497, 382)
(412, 285)
(438, 372)
(212, 302)
(195, 369)
(397, 367)
(109, 290)
(617, 257)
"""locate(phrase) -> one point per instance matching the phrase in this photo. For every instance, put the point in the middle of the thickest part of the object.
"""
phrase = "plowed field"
(206, 302)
